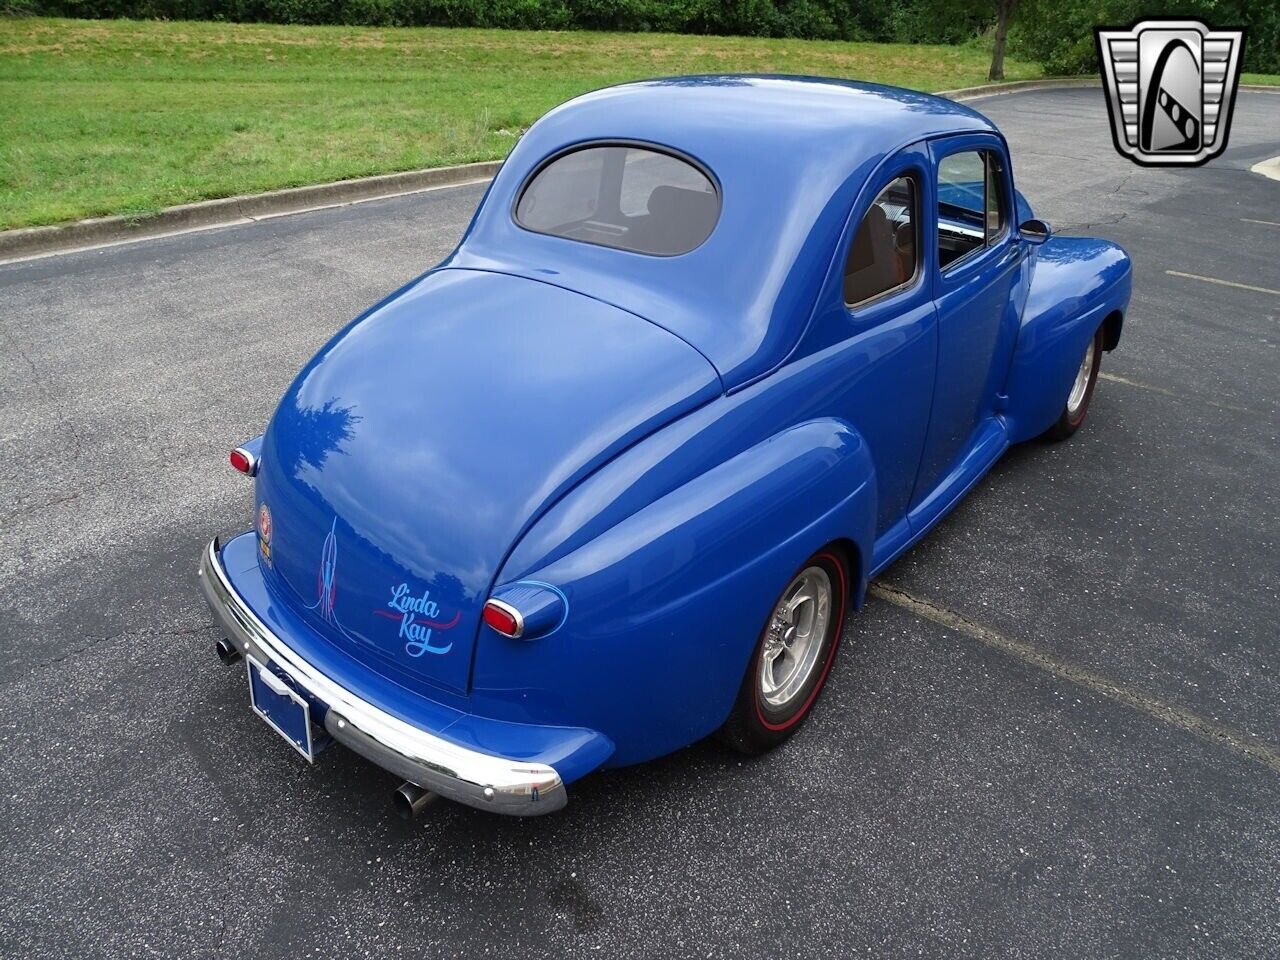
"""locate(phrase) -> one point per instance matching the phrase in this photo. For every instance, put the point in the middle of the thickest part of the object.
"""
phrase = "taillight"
(244, 461)
(526, 610)
(504, 618)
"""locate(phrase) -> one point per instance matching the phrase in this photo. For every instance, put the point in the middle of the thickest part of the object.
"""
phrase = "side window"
(883, 255)
(971, 212)
(994, 205)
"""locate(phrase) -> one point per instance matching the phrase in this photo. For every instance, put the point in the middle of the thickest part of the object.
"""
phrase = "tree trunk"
(1004, 13)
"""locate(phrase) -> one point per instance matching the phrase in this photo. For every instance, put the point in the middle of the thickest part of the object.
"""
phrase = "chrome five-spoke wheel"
(795, 636)
(1084, 377)
(792, 656)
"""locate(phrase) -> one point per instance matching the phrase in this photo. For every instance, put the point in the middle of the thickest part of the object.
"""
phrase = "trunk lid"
(415, 448)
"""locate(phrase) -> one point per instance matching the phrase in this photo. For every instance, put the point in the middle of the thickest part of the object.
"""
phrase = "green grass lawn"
(101, 117)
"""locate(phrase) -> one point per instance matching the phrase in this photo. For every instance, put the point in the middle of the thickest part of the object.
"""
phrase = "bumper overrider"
(477, 779)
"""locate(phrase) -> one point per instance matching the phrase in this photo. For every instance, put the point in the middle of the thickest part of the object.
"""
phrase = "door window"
(994, 202)
(971, 214)
(885, 252)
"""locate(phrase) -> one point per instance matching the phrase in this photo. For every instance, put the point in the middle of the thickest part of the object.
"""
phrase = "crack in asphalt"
(1246, 745)
(1104, 222)
(26, 509)
(36, 382)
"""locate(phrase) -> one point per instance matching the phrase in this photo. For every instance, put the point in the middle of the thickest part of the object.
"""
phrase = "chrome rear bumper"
(477, 779)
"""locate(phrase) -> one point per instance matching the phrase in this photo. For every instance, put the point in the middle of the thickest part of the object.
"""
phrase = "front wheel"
(792, 657)
(1077, 405)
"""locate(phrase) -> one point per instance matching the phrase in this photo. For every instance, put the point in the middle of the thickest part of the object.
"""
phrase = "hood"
(411, 453)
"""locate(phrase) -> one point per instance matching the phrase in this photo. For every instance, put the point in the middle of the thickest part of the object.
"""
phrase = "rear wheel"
(1077, 405)
(792, 657)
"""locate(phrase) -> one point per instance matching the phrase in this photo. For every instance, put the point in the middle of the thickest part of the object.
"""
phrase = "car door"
(976, 283)
(882, 315)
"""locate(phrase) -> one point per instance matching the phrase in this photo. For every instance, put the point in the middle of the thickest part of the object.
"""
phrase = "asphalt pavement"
(1073, 751)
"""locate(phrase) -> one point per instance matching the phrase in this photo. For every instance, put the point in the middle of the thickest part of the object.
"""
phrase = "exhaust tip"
(227, 651)
(410, 800)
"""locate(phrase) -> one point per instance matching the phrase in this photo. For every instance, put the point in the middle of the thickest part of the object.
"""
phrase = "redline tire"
(1076, 407)
(757, 724)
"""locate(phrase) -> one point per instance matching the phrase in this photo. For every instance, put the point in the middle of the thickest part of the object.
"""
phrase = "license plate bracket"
(284, 710)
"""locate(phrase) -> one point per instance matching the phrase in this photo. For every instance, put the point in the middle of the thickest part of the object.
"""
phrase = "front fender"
(665, 607)
(1076, 284)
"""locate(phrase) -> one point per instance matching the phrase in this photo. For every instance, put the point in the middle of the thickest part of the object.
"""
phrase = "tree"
(1004, 13)
(953, 21)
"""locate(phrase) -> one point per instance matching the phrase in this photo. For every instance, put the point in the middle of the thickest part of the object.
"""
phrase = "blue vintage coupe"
(712, 353)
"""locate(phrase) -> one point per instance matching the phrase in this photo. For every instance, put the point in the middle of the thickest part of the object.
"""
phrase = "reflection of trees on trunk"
(708, 80)
(316, 433)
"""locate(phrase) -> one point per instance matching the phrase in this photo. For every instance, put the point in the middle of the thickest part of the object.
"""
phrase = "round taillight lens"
(503, 618)
(242, 461)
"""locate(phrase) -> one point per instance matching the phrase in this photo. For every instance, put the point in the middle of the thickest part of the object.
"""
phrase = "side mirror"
(1035, 231)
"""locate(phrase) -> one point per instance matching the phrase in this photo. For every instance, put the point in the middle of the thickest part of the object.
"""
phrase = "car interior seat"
(678, 220)
(874, 264)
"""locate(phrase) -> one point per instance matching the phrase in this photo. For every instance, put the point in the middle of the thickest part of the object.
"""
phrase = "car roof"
(699, 110)
(789, 154)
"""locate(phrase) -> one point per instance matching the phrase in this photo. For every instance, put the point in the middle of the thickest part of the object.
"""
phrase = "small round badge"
(264, 523)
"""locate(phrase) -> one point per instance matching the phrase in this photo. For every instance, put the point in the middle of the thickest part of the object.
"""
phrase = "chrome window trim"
(917, 273)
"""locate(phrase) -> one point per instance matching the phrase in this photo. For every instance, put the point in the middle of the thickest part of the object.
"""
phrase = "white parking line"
(1269, 223)
(1165, 392)
(1223, 283)
(1244, 744)
(1137, 383)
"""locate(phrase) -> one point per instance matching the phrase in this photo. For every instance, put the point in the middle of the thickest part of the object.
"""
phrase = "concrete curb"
(31, 242)
(1018, 86)
(1057, 83)
(103, 231)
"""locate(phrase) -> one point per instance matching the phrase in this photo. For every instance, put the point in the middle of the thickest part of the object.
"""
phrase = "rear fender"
(1077, 284)
(666, 606)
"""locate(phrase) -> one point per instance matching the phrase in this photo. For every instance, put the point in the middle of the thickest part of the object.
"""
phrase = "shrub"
(1059, 35)
(1056, 33)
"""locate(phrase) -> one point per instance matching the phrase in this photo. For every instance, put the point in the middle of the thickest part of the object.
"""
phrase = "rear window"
(622, 196)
